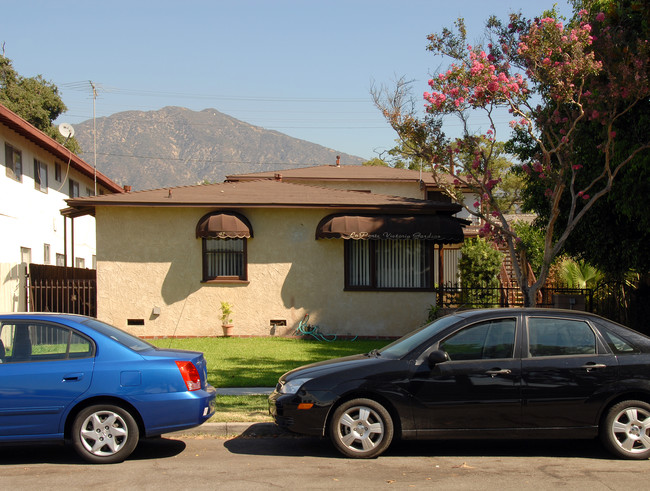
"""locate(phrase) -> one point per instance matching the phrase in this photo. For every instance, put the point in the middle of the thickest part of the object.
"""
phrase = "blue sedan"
(74, 378)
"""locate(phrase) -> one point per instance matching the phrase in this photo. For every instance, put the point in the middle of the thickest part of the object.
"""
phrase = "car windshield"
(409, 342)
(124, 338)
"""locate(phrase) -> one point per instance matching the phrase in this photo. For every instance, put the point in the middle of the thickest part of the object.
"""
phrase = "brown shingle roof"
(262, 193)
(341, 173)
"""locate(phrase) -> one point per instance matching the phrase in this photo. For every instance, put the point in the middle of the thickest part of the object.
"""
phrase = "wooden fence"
(61, 289)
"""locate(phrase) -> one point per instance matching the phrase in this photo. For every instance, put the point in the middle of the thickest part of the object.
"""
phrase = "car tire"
(104, 434)
(626, 430)
(361, 428)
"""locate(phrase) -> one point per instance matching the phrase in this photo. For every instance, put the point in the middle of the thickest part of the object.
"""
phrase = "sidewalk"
(244, 391)
(236, 429)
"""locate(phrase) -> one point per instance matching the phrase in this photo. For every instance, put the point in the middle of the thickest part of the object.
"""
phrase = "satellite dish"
(66, 130)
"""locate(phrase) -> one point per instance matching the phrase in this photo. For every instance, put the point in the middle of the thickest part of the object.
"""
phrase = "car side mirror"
(437, 356)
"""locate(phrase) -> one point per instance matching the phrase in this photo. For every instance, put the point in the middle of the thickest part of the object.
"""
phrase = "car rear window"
(122, 337)
(617, 334)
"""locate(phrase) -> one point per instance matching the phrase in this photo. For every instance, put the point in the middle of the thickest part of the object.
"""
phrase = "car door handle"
(498, 371)
(590, 366)
(73, 377)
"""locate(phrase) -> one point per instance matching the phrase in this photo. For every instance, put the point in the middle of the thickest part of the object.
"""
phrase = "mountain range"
(175, 146)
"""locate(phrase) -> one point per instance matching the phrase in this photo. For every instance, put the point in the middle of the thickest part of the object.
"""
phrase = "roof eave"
(36, 136)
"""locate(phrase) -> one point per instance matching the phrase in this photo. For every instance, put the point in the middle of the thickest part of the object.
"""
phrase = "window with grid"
(388, 264)
(40, 176)
(73, 189)
(14, 163)
(224, 259)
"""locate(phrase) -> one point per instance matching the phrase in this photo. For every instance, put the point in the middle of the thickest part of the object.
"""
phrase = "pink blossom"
(600, 17)
(476, 204)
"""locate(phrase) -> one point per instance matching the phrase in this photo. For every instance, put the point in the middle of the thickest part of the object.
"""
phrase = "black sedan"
(499, 373)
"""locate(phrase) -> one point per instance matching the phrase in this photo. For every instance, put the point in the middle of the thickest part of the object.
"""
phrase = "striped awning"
(443, 229)
(224, 225)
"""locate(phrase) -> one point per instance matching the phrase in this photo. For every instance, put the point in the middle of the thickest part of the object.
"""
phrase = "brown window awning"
(224, 225)
(442, 229)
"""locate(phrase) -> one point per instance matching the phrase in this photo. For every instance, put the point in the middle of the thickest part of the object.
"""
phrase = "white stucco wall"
(31, 218)
(149, 257)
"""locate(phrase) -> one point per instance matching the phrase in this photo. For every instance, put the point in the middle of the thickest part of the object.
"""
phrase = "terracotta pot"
(227, 329)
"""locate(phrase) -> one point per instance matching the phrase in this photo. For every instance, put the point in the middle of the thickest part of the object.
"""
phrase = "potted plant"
(226, 321)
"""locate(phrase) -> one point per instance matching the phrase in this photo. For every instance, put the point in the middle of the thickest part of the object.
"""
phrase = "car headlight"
(292, 386)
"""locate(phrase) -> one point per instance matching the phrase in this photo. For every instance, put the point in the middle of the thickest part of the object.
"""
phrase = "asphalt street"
(257, 460)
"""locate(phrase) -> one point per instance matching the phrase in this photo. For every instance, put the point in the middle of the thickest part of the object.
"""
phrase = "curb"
(250, 430)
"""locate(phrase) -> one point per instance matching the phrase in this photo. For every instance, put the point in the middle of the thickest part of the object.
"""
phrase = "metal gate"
(62, 289)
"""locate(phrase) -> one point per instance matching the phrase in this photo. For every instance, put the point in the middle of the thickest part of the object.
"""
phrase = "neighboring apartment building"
(36, 176)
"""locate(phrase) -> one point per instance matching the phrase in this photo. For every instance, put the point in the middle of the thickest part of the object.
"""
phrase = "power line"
(209, 161)
(79, 86)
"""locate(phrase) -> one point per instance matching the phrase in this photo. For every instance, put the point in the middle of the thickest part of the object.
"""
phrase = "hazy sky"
(301, 67)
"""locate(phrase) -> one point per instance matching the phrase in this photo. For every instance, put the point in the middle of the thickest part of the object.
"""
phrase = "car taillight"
(190, 375)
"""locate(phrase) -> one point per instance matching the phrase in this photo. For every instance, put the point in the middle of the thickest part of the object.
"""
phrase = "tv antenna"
(94, 133)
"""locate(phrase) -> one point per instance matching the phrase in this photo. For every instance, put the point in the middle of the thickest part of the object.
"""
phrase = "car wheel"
(626, 430)
(361, 428)
(104, 434)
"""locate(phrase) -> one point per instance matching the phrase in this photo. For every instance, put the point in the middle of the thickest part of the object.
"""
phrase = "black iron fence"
(625, 302)
(472, 297)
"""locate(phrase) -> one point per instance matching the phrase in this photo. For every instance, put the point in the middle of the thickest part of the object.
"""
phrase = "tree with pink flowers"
(551, 77)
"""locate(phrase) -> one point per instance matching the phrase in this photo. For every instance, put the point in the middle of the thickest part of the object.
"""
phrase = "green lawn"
(259, 362)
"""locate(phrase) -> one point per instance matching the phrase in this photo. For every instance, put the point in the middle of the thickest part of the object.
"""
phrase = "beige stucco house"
(359, 249)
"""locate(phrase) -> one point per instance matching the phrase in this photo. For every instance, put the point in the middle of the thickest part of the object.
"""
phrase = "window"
(487, 340)
(40, 176)
(618, 344)
(14, 163)
(388, 264)
(25, 255)
(80, 262)
(224, 259)
(60, 259)
(89, 192)
(438, 196)
(46, 254)
(42, 342)
(558, 337)
(73, 189)
(57, 172)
